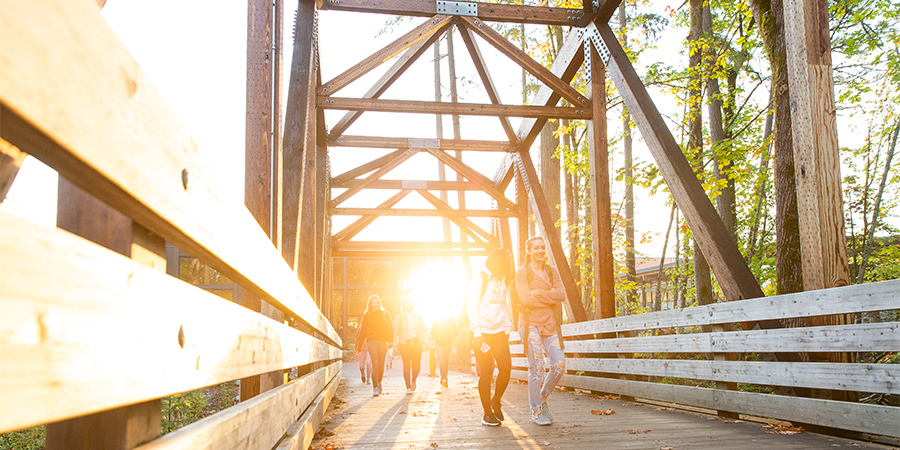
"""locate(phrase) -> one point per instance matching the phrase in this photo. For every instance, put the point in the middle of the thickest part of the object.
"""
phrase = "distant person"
(488, 309)
(409, 339)
(365, 360)
(376, 331)
(443, 331)
(540, 294)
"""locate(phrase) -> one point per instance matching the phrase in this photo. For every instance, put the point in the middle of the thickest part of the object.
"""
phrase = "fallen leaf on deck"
(782, 429)
(598, 412)
(727, 421)
(638, 431)
(402, 412)
(667, 448)
(326, 422)
(434, 445)
(544, 443)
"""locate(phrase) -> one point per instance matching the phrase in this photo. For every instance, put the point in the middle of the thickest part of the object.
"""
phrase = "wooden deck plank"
(431, 419)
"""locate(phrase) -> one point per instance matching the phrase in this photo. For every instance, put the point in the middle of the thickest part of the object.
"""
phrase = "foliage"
(28, 439)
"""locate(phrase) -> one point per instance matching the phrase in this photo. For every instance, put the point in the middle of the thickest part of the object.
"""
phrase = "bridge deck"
(431, 419)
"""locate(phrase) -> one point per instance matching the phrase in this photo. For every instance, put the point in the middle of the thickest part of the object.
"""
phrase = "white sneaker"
(545, 410)
(376, 392)
(409, 391)
(538, 417)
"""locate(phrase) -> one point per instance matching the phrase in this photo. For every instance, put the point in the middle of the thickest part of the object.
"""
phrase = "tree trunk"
(657, 305)
(761, 191)
(630, 265)
(702, 280)
(788, 265)
(867, 249)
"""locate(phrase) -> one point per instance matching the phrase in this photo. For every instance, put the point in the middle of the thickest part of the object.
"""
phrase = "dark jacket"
(376, 324)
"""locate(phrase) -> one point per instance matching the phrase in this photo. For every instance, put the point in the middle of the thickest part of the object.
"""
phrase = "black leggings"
(484, 362)
(412, 362)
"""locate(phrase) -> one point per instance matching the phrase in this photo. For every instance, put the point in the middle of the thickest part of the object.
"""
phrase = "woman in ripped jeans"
(540, 293)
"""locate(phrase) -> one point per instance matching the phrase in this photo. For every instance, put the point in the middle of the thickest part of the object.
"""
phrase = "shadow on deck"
(432, 418)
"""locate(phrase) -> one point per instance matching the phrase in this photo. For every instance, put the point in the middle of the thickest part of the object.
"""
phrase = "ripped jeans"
(539, 385)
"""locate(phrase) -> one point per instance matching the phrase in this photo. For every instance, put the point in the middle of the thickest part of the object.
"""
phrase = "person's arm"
(557, 294)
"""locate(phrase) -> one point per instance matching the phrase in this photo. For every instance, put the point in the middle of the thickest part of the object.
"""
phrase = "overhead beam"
(717, 244)
(367, 167)
(354, 228)
(491, 12)
(466, 226)
(394, 254)
(11, 159)
(414, 184)
(406, 245)
(422, 212)
(525, 61)
(435, 25)
(375, 176)
(486, 79)
(463, 109)
(386, 80)
(443, 144)
(474, 176)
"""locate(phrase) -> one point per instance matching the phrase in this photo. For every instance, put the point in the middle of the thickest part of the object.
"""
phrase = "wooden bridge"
(95, 330)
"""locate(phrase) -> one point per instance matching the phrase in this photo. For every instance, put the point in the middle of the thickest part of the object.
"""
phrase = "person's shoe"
(368, 381)
(409, 391)
(444, 383)
(490, 420)
(497, 412)
(538, 417)
(546, 411)
(376, 392)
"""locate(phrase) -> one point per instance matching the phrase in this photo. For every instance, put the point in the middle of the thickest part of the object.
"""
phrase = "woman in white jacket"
(490, 321)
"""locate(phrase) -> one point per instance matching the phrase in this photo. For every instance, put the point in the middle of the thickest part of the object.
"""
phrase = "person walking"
(488, 309)
(443, 331)
(365, 360)
(376, 332)
(540, 294)
(410, 336)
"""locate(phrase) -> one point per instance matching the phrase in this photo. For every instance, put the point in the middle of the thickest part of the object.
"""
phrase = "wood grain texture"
(884, 378)
(815, 145)
(430, 185)
(494, 12)
(463, 109)
(302, 432)
(843, 415)
(258, 423)
(150, 335)
(598, 182)
(412, 212)
(870, 297)
(78, 125)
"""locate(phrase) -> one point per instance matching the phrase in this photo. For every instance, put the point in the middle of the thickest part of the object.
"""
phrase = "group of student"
(534, 291)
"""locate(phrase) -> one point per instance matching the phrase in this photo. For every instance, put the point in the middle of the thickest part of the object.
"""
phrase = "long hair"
(369, 303)
(527, 257)
(499, 262)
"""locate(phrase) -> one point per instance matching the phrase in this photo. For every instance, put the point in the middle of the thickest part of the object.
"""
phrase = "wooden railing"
(83, 329)
(592, 363)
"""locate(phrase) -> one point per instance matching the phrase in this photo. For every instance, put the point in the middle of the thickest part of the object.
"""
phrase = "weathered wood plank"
(463, 109)
(389, 254)
(159, 329)
(861, 417)
(869, 297)
(834, 338)
(301, 432)
(443, 144)
(487, 11)
(257, 423)
(435, 25)
(528, 63)
(883, 378)
(423, 212)
(404, 245)
(598, 182)
(163, 179)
